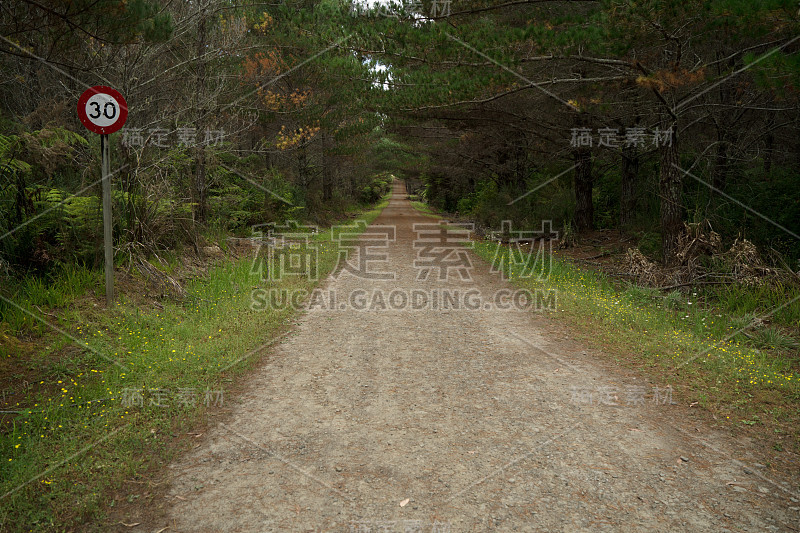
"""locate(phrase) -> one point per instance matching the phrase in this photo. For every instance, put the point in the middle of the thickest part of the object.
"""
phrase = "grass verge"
(676, 339)
(126, 382)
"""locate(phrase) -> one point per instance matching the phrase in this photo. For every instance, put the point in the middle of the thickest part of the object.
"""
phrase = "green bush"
(376, 189)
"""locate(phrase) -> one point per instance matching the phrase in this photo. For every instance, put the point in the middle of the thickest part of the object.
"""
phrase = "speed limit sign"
(102, 109)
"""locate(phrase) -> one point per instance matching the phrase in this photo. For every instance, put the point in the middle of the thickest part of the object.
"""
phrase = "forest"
(642, 116)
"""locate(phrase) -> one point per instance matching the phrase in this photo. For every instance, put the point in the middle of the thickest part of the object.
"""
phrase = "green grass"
(738, 299)
(686, 341)
(422, 207)
(772, 338)
(667, 331)
(56, 290)
(179, 352)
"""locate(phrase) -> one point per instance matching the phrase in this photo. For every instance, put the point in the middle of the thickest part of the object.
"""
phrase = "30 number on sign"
(107, 116)
(102, 109)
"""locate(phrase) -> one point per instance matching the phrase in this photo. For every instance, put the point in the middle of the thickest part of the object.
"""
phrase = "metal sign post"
(108, 235)
(103, 110)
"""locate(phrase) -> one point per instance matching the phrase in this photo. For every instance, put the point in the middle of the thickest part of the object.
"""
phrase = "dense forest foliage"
(639, 115)
(236, 119)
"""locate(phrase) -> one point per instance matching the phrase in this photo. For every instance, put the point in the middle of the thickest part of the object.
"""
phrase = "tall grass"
(680, 334)
(56, 290)
(740, 299)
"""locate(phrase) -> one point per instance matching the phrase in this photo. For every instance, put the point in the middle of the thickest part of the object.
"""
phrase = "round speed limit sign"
(102, 109)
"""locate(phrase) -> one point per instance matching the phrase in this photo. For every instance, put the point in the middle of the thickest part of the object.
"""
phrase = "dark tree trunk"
(20, 207)
(201, 210)
(327, 178)
(670, 188)
(719, 175)
(584, 208)
(200, 185)
(721, 165)
(769, 146)
(268, 198)
(628, 184)
(302, 166)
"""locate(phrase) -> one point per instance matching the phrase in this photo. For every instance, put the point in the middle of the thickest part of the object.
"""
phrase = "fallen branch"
(160, 279)
(598, 256)
(48, 314)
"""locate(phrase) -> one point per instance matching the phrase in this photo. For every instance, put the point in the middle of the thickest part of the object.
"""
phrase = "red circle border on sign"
(102, 89)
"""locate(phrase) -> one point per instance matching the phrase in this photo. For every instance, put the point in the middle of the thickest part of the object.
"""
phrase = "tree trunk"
(200, 152)
(200, 184)
(768, 148)
(628, 181)
(327, 179)
(721, 165)
(719, 175)
(268, 198)
(20, 207)
(769, 144)
(670, 188)
(584, 208)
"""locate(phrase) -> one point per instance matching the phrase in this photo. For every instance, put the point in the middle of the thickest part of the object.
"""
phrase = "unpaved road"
(482, 420)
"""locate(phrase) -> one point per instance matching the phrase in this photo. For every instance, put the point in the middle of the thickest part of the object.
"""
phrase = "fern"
(50, 137)
(8, 145)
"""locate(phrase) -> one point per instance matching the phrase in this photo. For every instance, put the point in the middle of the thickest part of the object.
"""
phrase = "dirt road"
(395, 419)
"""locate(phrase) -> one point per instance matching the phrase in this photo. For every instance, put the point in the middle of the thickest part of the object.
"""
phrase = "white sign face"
(103, 110)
